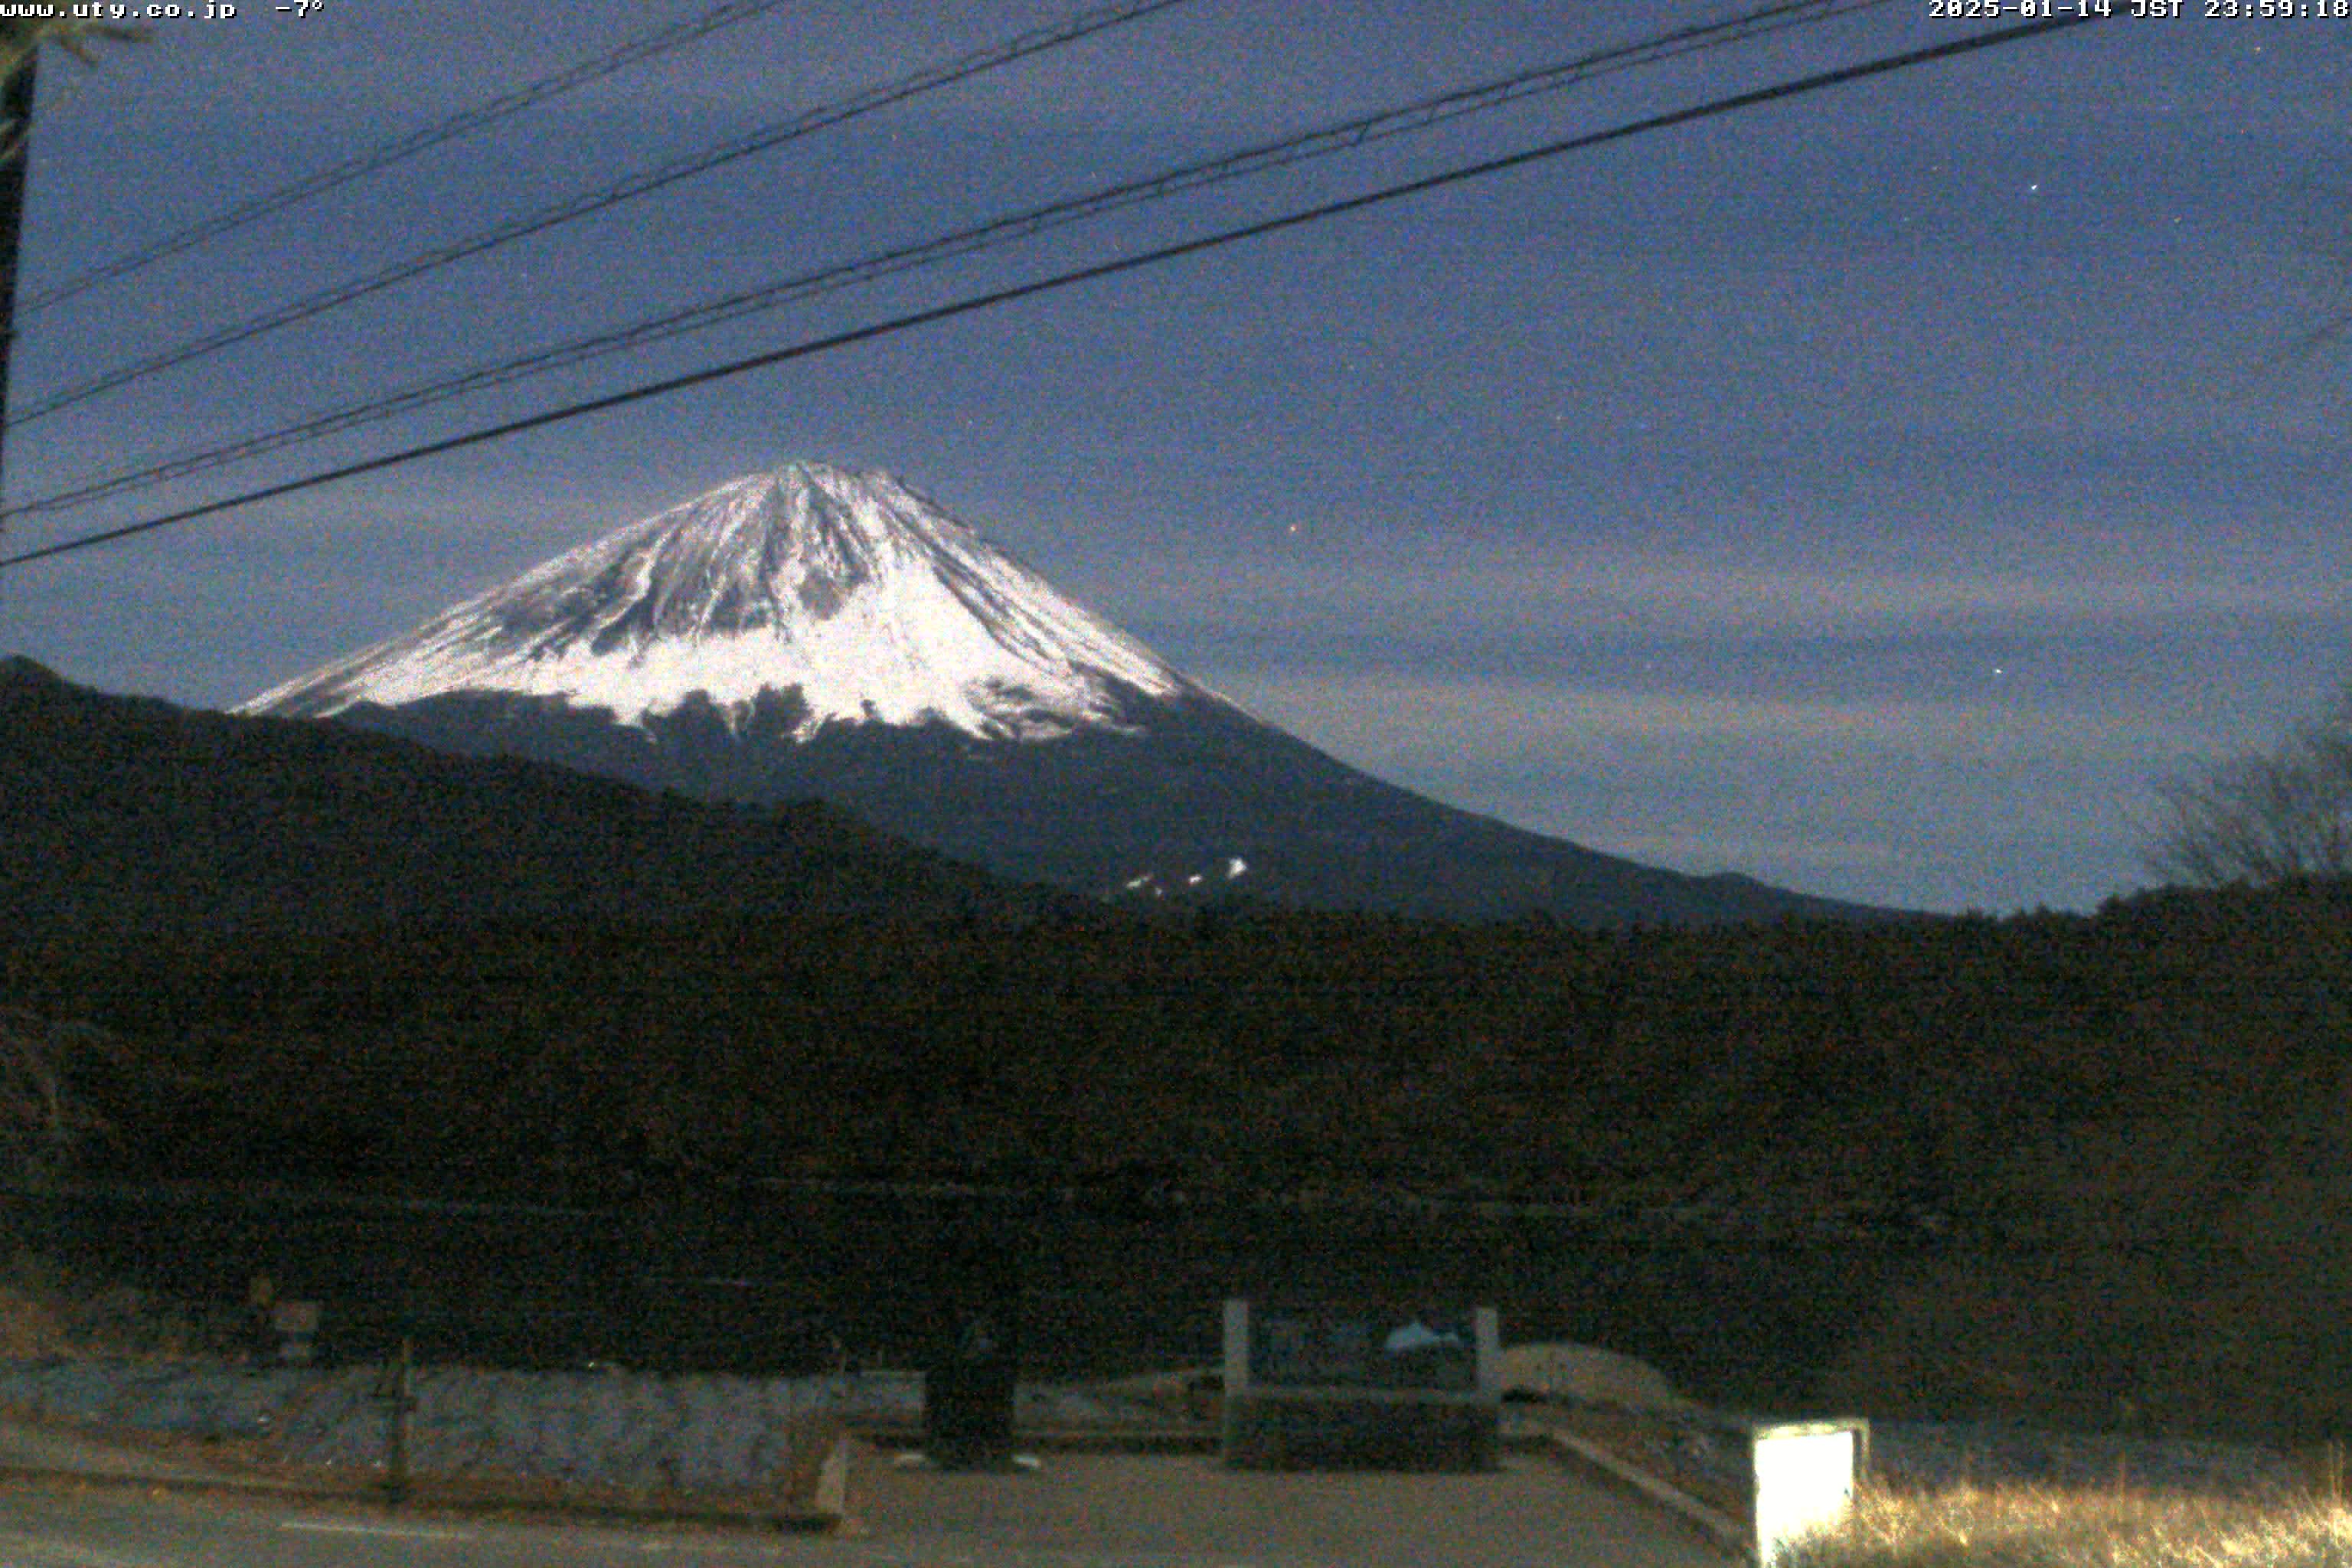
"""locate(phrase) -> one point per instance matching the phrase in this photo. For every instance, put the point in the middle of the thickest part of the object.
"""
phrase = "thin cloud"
(1402, 716)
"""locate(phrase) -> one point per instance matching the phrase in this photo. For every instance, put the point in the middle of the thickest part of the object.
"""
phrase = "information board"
(1343, 1349)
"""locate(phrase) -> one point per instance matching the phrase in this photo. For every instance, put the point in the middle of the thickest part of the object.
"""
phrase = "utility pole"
(15, 157)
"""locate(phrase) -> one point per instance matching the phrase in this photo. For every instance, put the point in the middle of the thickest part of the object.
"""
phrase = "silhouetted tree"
(40, 1116)
(2266, 816)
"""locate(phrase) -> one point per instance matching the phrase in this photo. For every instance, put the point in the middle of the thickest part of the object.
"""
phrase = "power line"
(650, 45)
(1131, 263)
(1070, 30)
(1343, 136)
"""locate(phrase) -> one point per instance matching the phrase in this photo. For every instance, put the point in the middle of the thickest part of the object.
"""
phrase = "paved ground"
(1100, 1509)
(1080, 1511)
(47, 1527)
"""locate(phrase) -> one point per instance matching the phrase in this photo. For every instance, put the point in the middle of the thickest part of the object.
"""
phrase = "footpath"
(1075, 1508)
(1121, 1468)
(1119, 1472)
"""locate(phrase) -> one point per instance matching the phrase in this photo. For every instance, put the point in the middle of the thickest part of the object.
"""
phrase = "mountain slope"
(131, 813)
(824, 633)
(1165, 813)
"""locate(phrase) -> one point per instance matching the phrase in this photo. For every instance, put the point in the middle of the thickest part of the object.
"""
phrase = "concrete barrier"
(1784, 1478)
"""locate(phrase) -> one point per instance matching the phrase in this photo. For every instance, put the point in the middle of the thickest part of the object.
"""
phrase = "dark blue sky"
(1873, 491)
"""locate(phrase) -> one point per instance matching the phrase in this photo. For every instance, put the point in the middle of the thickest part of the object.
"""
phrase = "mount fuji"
(824, 632)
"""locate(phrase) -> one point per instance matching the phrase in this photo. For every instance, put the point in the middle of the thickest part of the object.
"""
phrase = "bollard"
(2326, 1468)
(260, 1298)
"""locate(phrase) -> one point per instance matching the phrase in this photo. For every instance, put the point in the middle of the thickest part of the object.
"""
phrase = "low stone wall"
(637, 1432)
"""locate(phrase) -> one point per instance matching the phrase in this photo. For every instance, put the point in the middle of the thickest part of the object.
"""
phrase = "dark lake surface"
(788, 1281)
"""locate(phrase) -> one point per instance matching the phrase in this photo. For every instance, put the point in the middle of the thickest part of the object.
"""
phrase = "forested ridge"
(1937, 1064)
(2121, 1142)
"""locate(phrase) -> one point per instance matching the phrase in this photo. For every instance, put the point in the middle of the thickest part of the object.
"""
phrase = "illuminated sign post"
(1805, 1473)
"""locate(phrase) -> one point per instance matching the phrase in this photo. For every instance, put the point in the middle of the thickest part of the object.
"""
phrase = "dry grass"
(2034, 1527)
(45, 1311)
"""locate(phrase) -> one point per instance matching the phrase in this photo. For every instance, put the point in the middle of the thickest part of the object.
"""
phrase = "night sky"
(1873, 491)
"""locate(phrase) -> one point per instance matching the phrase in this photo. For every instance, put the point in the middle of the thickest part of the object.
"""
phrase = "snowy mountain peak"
(840, 585)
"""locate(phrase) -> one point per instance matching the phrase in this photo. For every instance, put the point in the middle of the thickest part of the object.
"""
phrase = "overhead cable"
(1325, 141)
(649, 45)
(1083, 24)
(1115, 267)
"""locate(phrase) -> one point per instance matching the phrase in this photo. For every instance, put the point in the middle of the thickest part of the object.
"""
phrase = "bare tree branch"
(2266, 816)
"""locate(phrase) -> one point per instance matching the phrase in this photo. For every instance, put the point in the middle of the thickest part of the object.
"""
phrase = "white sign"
(1804, 1480)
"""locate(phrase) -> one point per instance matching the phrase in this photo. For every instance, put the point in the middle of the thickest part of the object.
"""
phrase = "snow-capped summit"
(839, 586)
